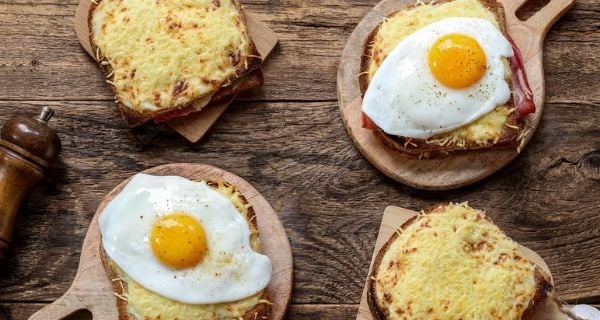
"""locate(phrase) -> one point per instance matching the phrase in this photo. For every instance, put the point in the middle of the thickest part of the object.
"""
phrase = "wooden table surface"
(287, 139)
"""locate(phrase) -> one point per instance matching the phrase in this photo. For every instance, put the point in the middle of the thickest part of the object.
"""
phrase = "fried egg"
(182, 240)
(440, 78)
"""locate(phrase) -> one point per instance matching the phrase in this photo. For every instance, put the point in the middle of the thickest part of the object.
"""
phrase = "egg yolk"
(178, 240)
(457, 61)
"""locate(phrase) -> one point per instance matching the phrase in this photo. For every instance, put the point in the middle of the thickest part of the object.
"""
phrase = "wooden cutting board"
(92, 290)
(194, 126)
(459, 169)
(394, 217)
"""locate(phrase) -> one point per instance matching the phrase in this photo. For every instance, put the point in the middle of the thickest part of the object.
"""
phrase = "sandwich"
(443, 77)
(451, 262)
(167, 59)
(179, 249)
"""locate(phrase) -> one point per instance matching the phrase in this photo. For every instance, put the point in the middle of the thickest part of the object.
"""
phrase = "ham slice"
(522, 94)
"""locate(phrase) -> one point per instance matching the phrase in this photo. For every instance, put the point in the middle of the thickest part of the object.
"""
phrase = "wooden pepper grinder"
(27, 147)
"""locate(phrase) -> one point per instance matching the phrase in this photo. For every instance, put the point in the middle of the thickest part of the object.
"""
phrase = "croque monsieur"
(452, 262)
(200, 262)
(167, 59)
(454, 80)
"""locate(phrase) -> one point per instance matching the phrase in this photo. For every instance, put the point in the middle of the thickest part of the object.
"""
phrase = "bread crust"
(261, 311)
(420, 148)
(543, 285)
(250, 81)
(250, 70)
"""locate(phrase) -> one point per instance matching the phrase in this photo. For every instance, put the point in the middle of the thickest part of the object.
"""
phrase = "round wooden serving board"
(394, 217)
(194, 126)
(458, 169)
(92, 290)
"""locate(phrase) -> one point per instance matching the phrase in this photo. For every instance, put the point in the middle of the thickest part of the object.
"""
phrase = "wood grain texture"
(459, 168)
(194, 126)
(18, 311)
(288, 141)
(328, 196)
(92, 290)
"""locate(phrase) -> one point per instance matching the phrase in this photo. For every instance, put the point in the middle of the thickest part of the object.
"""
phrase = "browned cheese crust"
(262, 311)
(419, 148)
(543, 286)
(249, 81)
(247, 76)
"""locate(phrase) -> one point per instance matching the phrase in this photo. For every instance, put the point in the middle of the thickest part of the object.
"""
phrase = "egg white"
(405, 99)
(229, 272)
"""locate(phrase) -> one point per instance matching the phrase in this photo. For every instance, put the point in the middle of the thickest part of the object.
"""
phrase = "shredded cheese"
(166, 54)
(454, 264)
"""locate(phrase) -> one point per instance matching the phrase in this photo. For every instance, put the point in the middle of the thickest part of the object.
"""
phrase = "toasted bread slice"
(452, 262)
(500, 128)
(155, 307)
(162, 56)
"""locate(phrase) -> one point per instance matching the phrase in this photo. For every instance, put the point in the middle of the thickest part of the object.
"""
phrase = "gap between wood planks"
(594, 301)
(4, 99)
(249, 100)
(17, 311)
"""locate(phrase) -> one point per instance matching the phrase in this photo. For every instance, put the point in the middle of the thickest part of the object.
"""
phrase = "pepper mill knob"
(33, 136)
(27, 147)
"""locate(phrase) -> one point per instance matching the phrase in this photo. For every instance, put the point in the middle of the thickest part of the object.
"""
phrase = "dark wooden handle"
(17, 176)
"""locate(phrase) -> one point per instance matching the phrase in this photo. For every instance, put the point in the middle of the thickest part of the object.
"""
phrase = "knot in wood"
(589, 166)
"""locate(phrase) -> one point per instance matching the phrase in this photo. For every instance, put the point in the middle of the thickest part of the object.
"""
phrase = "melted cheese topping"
(487, 129)
(143, 304)
(165, 54)
(398, 26)
(454, 264)
(147, 305)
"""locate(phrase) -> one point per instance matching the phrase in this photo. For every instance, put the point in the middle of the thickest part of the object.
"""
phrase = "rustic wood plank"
(296, 154)
(22, 311)
(41, 59)
(329, 198)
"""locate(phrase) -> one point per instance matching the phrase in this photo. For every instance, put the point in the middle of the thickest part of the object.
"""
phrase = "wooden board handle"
(549, 14)
(529, 36)
(91, 289)
(531, 32)
(59, 309)
(544, 17)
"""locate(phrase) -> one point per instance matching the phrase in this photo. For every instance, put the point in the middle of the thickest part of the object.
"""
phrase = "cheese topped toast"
(161, 56)
(452, 262)
(499, 128)
(134, 302)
